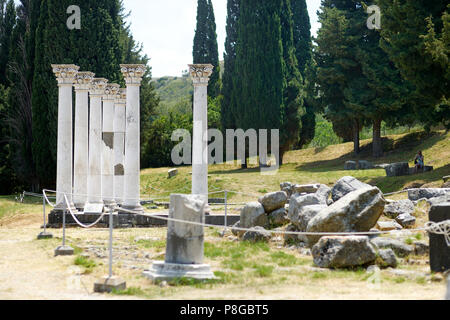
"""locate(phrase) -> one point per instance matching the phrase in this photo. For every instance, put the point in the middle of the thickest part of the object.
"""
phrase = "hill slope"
(323, 165)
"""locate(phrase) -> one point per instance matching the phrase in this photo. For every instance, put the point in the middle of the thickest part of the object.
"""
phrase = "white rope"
(441, 228)
(78, 221)
(438, 228)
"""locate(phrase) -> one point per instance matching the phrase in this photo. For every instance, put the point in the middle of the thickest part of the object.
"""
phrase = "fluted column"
(119, 144)
(133, 74)
(95, 141)
(83, 82)
(109, 98)
(200, 74)
(65, 75)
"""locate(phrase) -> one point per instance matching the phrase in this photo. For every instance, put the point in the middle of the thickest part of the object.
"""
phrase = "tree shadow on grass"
(400, 150)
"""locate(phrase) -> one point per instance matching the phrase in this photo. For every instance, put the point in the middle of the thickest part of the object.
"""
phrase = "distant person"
(419, 161)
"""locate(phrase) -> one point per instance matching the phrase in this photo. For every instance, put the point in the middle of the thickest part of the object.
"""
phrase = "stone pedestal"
(95, 145)
(439, 251)
(44, 236)
(108, 284)
(185, 247)
(109, 99)
(83, 82)
(133, 74)
(119, 145)
(64, 251)
(65, 75)
(200, 74)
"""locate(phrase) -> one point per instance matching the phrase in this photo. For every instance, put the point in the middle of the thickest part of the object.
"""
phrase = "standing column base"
(136, 209)
(161, 271)
(59, 209)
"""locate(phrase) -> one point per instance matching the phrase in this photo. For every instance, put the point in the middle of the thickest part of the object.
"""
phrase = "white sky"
(166, 29)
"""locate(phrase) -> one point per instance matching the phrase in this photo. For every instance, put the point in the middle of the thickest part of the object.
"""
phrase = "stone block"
(439, 251)
(172, 173)
(350, 165)
(397, 169)
(161, 271)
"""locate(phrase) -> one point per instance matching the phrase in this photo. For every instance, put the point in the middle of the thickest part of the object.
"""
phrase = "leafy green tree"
(205, 48)
(411, 46)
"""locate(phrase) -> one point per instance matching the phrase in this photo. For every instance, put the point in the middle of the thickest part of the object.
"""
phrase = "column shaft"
(199, 141)
(119, 146)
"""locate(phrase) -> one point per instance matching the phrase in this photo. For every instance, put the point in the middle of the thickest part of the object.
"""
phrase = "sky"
(166, 29)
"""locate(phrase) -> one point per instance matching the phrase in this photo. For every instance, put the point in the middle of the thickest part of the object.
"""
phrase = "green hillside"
(175, 94)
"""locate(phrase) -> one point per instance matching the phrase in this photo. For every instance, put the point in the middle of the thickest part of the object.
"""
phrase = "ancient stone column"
(109, 99)
(200, 74)
(95, 147)
(185, 246)
(119, 145)
(65, 75)
(133, 74)
(83, 82)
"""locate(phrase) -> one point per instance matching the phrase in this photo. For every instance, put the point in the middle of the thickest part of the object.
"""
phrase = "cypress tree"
(267, 82)
(8, 21)
(205, 48)
(233, 12)
(306, 66)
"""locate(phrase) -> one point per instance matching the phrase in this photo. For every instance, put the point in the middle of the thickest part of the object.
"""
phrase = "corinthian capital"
(65, 73)
(98, 86)
(111, 91)
(83, 80)
(133, 73)
(200, 73)
(121, 97)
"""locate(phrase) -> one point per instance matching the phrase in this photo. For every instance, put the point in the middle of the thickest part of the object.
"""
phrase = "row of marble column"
(102, 168)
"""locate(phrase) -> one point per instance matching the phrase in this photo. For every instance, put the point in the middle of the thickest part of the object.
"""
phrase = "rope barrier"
(432, 227)
(442, 228)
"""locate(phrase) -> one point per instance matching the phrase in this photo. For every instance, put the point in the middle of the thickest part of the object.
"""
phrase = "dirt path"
(28, 270)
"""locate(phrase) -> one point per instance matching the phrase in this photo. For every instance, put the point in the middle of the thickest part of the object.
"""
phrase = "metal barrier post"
(64, 250)
(110, 243)
(44, 235)
(226, 215)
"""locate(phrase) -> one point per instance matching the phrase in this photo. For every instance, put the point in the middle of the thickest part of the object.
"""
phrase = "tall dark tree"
(266, 84)
(306, 66)
(7, 23)
(205, 49)
(233, 12)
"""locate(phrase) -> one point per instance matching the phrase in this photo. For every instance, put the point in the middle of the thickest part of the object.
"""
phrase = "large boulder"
(406, 220)
(257, 234)
(278, 217)
(346, 185)
(427, 193)
(387, 258)
(397, 169)
(298, 201)
(395, 208)
(305, 214)
(287, 187)
(253, 215)
(343, 252)
(358, 211)
(323, 193)
(306, 188)
(401, 249)
(273, 201)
